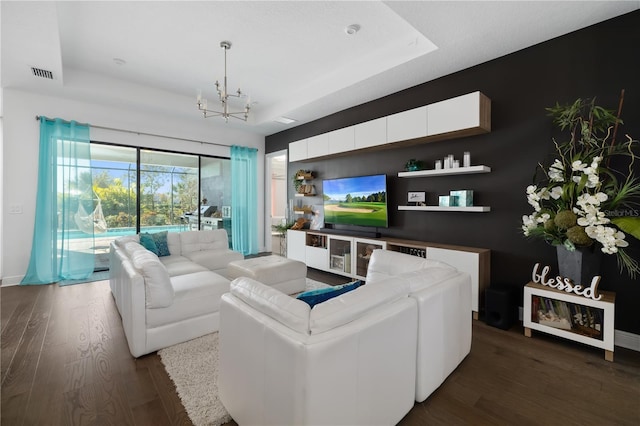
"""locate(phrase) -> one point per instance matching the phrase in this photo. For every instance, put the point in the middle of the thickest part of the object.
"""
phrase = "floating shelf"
(443, 172)
(473, 209)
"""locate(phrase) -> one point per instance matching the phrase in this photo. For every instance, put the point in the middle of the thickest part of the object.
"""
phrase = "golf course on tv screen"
(359, 200)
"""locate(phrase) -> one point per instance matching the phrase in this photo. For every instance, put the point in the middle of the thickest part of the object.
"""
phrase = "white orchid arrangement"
(582, 201)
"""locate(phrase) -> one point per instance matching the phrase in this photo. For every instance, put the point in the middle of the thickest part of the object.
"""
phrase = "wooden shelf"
(472, 209)
(444, 172)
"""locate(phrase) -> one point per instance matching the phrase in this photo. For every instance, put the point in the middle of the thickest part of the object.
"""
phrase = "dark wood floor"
(65, 361)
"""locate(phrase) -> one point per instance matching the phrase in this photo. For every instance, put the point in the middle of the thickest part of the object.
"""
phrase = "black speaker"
(500, 307)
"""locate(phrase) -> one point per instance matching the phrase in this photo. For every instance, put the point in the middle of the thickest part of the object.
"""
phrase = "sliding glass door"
(215, 188)
(146, 190)
(168, 190)
(114, 170)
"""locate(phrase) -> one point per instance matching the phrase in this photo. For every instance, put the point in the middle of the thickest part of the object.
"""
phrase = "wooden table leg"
(608, 355)
(527, 332)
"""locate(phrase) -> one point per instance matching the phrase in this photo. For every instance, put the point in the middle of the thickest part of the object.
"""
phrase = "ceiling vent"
(39, 72)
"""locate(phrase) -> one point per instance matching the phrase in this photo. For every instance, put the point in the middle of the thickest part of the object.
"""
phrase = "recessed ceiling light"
(284, 120)
(352, 29)
(119, 61)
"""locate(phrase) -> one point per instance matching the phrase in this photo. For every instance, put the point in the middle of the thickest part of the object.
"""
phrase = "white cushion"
(386, 263)
(158, 288)
(268, 269)
(131, 247)
(196, 294)
(424, 278)
(120, 242)
(191, 241)
(353, 305)
(214, 259)
(173, 242)
(286, 310)
(182, 268)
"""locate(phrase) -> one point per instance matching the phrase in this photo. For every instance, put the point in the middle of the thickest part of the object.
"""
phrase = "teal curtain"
(244, 199)
(59, 251)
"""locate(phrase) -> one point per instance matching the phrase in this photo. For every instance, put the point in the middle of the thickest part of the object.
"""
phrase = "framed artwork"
(337, 262)
(416, 198)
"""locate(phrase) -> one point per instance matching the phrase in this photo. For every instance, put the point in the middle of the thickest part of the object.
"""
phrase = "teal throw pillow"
(313, 297)
(160, 238)
(147, 242)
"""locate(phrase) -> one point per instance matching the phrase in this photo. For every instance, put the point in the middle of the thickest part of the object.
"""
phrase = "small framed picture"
(337, 262)
(416, 198)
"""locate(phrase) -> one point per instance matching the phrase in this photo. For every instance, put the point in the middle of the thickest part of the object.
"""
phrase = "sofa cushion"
(120, 242)
(158, 289)
(313, 297)
(195, 295)
(203, 240)
(353, 305)
(214, 259)
(181, 266)
(148, 242)
(160, 238)
(173, 243)
(286, 310)
(155, 242)
(130, 247)
(385, 263)
(424, 278)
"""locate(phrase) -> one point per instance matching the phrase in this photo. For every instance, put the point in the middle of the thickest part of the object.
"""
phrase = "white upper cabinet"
(462, 116)
(407, 125)
(318, 146)
(455, 114)
(298, 150)
(342, 140)
(371, 133)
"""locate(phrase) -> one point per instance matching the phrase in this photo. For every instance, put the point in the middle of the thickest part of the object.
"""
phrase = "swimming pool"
(119, 232)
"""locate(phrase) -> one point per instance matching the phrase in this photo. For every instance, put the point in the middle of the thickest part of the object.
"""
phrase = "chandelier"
(223, 95)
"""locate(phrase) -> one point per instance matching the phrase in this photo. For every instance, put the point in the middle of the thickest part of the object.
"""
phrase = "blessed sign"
(566, 284)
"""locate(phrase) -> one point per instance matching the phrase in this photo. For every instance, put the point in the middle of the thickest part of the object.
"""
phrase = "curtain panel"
(60, 251)
(244, 199)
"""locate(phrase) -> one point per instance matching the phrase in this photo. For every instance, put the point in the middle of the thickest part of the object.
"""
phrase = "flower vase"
(581, 265)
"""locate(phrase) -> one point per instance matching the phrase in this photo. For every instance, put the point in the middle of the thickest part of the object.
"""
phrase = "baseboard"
(627, 340)
(622, 339)
(9, 281)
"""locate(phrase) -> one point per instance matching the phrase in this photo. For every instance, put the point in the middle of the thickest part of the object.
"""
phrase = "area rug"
(193, 367)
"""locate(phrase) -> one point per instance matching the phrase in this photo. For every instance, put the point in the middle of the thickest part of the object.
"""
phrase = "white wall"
(20, 157)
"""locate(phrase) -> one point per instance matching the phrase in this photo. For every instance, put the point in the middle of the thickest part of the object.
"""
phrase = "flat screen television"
(358, 200)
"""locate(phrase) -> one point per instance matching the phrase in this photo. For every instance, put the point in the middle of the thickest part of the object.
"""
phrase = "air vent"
(39, 72)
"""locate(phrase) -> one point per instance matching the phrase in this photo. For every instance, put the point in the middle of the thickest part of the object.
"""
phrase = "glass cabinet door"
(364, 249)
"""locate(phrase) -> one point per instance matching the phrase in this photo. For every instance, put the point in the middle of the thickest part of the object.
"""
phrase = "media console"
(348, 255)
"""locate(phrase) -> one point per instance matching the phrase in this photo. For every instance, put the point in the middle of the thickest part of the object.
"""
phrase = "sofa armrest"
(283, 308)
(444, 330)
(128, 290)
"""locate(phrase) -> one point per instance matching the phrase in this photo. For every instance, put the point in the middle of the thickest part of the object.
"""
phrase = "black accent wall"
(596, 61)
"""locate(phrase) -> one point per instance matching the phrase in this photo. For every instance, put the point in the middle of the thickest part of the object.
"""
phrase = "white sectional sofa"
(362, 357)
(348, 361)
(170, 299)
